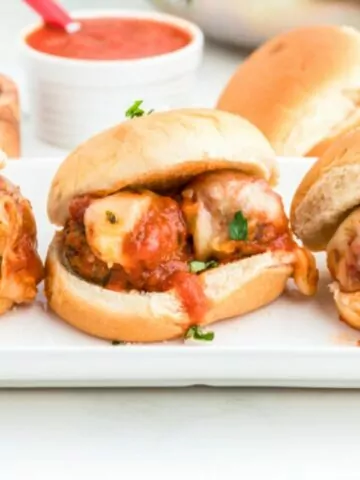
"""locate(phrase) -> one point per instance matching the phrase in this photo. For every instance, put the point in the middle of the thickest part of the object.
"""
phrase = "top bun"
(328, 192)
(159, 151)
(301, 89)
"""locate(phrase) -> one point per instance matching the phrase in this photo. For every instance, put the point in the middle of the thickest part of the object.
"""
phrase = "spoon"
(54, 14)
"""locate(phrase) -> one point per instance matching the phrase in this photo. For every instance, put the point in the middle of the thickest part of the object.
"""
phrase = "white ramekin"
(70, 100)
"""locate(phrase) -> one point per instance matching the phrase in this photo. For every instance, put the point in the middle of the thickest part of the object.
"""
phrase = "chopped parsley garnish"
(136, 111)
(111, 217)
(197, 266)
(196, 333)
(238, 227)
(117, 342)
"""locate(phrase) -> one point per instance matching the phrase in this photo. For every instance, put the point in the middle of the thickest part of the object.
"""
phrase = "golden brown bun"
(159, 150)
(327, 193)
(300, 88)
(325, 144)
(233, 289)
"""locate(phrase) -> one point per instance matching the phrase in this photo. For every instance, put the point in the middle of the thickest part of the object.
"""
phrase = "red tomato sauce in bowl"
(110, 39)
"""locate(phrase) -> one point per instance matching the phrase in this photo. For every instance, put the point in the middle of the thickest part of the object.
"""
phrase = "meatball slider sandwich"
(21, 269)
(169, 222)
(325, 215)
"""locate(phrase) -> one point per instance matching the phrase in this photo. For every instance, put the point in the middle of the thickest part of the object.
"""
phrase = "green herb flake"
(117, 342)
(238, 227)
(197, 266)
(136, 111)
(111, 217)
(196, 333)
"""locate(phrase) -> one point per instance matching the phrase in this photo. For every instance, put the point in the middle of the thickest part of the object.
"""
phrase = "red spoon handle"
(51, 12)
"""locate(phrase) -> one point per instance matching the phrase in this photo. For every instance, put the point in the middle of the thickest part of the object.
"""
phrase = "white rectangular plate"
(296, 341)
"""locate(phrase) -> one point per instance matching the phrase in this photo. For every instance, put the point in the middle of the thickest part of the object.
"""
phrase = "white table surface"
(196, 433)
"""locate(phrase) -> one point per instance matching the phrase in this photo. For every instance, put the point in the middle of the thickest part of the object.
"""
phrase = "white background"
(191, 433)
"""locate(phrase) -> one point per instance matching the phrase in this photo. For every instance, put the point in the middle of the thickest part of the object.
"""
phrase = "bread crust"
(158, 151)
(299, 88)
(233, 289)
(327, 193)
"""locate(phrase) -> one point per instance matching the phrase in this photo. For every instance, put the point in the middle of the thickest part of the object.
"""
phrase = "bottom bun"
(233, 289)
(348, 305)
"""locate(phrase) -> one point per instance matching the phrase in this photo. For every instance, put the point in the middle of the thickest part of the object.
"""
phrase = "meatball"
(213, 200)
(343, 253)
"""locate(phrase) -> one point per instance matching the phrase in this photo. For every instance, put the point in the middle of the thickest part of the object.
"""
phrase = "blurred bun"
(327, 193)
(301, 89)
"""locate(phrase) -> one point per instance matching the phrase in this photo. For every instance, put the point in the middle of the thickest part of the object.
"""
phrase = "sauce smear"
(191, 293)
(110, 39)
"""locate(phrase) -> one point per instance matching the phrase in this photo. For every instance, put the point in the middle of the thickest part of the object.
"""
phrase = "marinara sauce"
(110, 39)
(156, 252)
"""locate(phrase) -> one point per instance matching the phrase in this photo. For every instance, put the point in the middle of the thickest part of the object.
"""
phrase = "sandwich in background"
(325, 215)
(21, 269)
(301, 89)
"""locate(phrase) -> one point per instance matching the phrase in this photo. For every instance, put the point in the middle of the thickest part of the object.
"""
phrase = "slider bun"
(233, 289)
(301, 89)
(328, 192)
(160, 150)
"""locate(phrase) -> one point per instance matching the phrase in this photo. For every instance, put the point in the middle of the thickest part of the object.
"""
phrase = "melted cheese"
(108, 220)
(212, 200)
